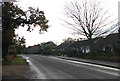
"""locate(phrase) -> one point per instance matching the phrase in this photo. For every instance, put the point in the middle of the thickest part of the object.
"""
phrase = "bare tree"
(87, 18)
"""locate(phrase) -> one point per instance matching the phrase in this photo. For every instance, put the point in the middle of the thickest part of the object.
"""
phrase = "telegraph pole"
(118, 31)
(119, 40)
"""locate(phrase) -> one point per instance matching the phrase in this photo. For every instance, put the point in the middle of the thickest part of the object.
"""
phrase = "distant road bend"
(49, 67)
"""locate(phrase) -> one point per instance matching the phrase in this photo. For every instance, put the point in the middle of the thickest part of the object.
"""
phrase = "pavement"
(15, 71)
(97, 62)
(50, 67)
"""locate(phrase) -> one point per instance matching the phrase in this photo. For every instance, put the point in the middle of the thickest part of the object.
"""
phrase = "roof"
(100, 40)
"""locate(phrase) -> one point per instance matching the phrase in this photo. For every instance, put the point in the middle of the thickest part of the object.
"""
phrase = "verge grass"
(18, 60)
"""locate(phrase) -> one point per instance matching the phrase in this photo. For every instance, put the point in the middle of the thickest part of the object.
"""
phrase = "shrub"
(10, 57)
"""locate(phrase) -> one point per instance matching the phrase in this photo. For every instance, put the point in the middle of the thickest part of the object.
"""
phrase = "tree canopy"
(14, 17)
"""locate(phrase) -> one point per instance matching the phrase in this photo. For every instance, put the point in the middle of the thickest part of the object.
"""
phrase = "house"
(33, 49)
(50, 44)
(38, 48)
(94, 45)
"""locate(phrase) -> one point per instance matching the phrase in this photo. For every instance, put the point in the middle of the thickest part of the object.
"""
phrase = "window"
(87, 49)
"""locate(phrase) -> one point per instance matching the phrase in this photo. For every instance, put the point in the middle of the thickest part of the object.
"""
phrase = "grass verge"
(18, 60)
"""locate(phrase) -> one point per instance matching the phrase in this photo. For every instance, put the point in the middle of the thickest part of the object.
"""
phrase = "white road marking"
(39, 74)
(104, 67)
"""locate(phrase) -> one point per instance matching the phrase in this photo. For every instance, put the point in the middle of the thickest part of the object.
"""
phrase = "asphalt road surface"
(49, 67)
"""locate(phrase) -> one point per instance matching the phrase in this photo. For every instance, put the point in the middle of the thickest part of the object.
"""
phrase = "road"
(49, 67)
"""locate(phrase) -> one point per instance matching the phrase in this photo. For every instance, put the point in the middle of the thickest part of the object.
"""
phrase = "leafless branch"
(88, 18)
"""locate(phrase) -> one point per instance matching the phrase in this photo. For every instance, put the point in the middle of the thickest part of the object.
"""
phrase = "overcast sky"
(54, 12)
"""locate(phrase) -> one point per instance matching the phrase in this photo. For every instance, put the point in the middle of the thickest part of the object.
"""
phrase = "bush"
(10, 57)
